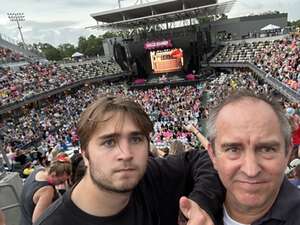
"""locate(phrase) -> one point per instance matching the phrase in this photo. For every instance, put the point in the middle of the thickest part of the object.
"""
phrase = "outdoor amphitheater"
(178, 60)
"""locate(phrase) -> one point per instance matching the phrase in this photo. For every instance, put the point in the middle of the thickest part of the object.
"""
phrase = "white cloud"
(63, 21)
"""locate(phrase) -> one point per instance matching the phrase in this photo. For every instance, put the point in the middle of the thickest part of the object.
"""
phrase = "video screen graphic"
(167, 60)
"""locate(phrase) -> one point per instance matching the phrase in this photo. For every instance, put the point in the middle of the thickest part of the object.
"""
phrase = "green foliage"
(94, 46)
(91, 46)
(50, 52)
(294, 23)
(66, 50)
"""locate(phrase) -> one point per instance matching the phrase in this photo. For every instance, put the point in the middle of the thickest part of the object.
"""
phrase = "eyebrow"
(259, 145)
(268, 144)
(230, 144)
(114, 135)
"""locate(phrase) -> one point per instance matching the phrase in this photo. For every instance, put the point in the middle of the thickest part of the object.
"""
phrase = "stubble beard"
(105, 185)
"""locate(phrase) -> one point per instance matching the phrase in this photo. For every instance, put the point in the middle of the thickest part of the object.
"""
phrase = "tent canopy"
(270, 27)
(77, 54)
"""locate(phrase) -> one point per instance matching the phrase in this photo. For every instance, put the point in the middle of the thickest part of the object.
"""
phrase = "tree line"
(91, 46)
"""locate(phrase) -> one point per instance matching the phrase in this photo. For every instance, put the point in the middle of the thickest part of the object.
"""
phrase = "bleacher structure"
(241, 54)
(151, 14)
(175, 20)
(29, 55)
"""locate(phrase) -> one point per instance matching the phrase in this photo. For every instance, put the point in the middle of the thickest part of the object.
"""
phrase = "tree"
(82, 44)
(92, 46)
(66, 50)
(294, 23)
(110, 34)
(50, 52)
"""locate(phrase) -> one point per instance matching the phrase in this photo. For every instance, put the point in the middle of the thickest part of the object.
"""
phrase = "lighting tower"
(17, 17)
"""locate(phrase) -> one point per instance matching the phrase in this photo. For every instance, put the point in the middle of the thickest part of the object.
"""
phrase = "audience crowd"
(278, 58)
(8, 56)
(34, 79)
(51, 125)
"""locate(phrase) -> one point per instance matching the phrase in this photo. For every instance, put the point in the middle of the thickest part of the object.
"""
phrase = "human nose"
(125, 152)
(250, 166)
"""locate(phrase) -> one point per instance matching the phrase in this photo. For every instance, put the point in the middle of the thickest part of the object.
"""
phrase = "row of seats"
(8, 56)
(279, 58)
(36, 78)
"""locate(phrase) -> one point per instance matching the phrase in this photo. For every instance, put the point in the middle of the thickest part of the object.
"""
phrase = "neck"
(245, 214)
(98, 202)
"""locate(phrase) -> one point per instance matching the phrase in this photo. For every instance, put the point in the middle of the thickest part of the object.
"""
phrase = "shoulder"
(46, 191)
(54, 214)
(294, 215)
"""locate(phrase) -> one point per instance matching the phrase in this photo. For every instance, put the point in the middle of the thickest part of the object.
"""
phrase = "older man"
(250, 144)
(121, 185)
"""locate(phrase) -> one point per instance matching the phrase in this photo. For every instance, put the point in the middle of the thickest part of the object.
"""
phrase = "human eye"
(136, 139)
(268, 151)
(232, 152)
(232, 149)
(109, 143)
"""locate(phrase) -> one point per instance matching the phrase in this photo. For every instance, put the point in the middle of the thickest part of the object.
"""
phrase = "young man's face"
(117, 154)
(249, 154)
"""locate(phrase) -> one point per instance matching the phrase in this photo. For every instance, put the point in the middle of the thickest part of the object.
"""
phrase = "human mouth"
(252, 185)
(125, 170)
(252, 182)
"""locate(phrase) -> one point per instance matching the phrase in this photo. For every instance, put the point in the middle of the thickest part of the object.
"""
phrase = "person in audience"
(202, 139)
(28, 169)
(176, 148)
(21, 157)
(39, 188)
(122, 185)
(78, 168)
(296, 180)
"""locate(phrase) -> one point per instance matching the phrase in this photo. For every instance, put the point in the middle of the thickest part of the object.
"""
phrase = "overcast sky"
(63, 21)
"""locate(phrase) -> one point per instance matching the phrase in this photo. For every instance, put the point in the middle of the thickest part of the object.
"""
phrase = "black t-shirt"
(154, 201)
(65, 212)
(22, 159)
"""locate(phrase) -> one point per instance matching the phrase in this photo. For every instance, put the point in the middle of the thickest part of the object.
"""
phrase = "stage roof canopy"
(159, 12)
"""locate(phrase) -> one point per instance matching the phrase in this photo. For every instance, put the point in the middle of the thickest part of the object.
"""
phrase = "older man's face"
(249, 154)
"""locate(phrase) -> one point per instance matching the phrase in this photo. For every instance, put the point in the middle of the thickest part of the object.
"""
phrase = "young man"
(250, 144)
(39, 188)
(122, 186)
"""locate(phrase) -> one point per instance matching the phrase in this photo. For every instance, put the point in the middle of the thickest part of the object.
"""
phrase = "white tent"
(77, 54)
(270, 27)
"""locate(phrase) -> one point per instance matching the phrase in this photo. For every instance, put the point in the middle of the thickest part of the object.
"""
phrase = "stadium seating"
(279, 58)
(36, 78)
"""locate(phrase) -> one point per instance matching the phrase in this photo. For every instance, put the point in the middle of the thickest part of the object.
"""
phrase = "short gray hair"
(243, 94)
